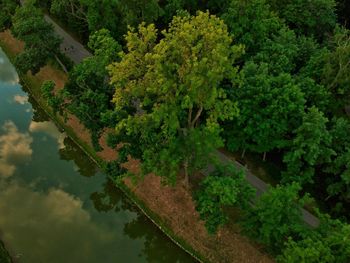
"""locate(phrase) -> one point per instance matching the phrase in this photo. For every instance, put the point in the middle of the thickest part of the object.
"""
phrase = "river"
(55, 204)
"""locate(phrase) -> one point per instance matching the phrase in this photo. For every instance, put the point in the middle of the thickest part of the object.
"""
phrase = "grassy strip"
(34, 88)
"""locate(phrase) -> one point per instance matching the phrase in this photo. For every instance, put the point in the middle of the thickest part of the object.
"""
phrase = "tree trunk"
(243, 153)
(61, 64)
(264, 157)
(186, 179)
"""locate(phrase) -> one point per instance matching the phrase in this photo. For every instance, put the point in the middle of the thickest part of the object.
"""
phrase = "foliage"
(343, 11)
(53, 100)
(311, 18)
(226, 186)
(41, 43)
(338, 169)
(330, 243)
(251, 23)
(310, 147)
(114, 169)
(276, 216)
(171, 94)
(265, 120)
(88, 91)
(336, 68)
(136, 11)
(307, 250)
(7, 9)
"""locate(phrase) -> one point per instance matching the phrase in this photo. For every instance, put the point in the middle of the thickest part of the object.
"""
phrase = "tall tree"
(276, 216)
(88, 92)
(171, 93)
(226, 186)
(338, 169)
(40, 40)
(312, 18)
(137, 11)
(251, 23)
(329, 243)
(336, 68)
(7, 9)
(310, 147)
(270, 107)
(343, 11)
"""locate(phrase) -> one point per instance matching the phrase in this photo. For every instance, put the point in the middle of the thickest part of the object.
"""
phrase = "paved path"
(77, 52)
(69, 46)
(260, 185)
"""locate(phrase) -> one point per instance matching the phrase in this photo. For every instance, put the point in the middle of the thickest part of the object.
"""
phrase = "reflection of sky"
(20, 99)
(53, 223)
(50, 129)
(14, 148)
(7, 72)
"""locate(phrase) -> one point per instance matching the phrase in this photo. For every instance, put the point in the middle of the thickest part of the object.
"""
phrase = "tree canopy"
(41, 43)
(171, 95)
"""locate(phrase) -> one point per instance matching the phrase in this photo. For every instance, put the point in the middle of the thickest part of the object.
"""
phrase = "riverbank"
(170, 208)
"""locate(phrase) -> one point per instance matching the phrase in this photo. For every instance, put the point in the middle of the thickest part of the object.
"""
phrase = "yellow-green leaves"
(177, 83)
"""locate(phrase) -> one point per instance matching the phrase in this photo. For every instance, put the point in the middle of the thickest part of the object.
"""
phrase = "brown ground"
(173, 204)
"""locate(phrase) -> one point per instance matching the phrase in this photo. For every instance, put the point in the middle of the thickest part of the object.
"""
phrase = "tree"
(315, 94)
(136, 11)
(310, 147)
(89, 16)
(311, 18)
(169, 95)
(329, 243)
(338, 169)
(270, 107)
(226, 186)
(7, 9)
(251, 23)
(308, 250)
(53, 100)
(276, 216)
(40, 40)
(336, 68)
(88, 92)
(343, 11)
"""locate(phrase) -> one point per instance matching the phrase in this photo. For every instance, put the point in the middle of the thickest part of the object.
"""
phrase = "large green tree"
(88, 92)
(336, 67)
(137, 11)
(329, 243)
(310, 147)
(338, 170)
(88, 16)
(171, 93)
(41, 42)
(7, 9)
(251, 23)
(225, 187)
(270, 107)
(277, 216)
(312, 18)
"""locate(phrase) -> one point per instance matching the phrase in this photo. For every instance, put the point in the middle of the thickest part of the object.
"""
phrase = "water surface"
(55, 205)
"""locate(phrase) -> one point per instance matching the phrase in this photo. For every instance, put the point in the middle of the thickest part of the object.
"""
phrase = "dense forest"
(179, 79)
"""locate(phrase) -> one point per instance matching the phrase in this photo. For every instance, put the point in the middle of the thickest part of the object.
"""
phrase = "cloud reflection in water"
(15, 147)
